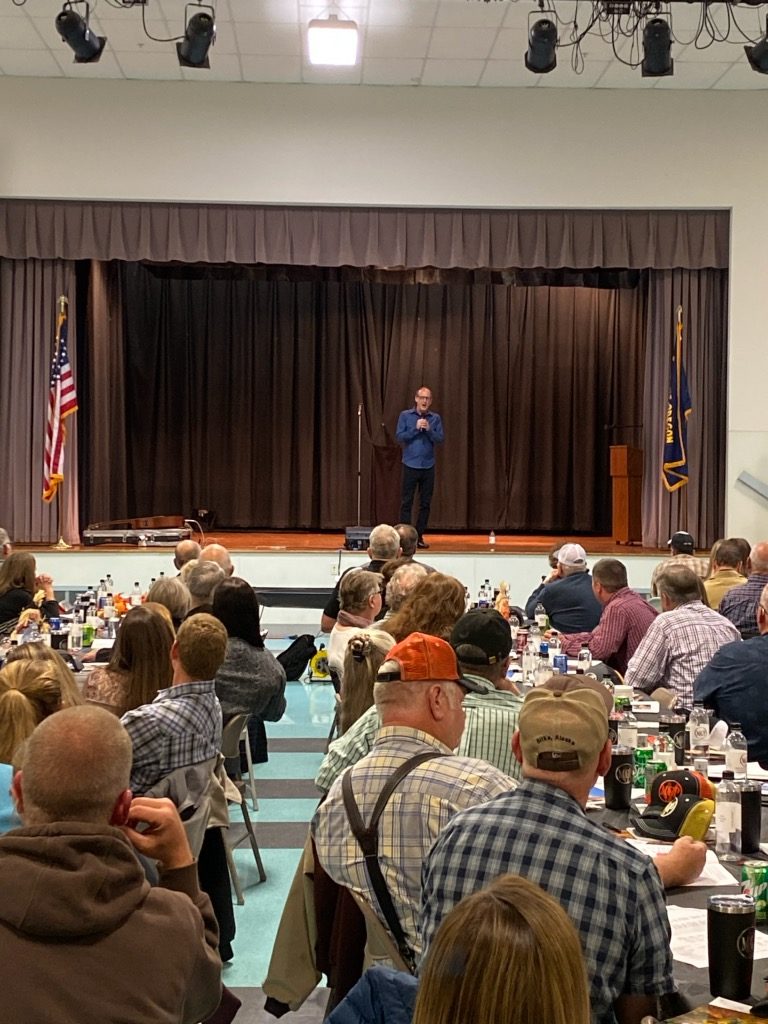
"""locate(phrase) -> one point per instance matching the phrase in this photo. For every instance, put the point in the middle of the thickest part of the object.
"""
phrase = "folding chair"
(230, 747)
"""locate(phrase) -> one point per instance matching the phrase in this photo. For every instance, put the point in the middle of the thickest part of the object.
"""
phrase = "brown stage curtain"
(363, 236)
(242, 396)
(29, 290)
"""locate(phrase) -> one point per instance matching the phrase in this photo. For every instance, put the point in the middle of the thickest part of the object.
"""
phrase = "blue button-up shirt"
(419, 445)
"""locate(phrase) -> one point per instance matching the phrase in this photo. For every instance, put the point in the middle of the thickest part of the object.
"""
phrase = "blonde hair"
(70, 692)
(29, 692)
(507, 953)
(365, 653)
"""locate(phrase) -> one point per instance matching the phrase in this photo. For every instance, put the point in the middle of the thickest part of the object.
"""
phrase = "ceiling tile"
(452, 72)
(271, 69)
(564, 77)
(619, 76)
(692, 76)
(396, 43)
(129, 36)
(508, 73)
(718, 53)
(268, 39)
(461, 43)
(108, 67)
(23, 33)
(741, 76)
(415, 13)
(160, 66)
(39, 63)
(224, 68)
(471, 14)
(276, 11)
(331, 76)
(392, 72)
(510, 44)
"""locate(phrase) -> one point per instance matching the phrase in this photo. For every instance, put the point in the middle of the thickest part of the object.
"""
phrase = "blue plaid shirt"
(740, 605)
(612, 893)
(181, 727)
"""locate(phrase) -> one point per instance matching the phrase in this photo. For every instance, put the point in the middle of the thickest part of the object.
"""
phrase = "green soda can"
(642, 756)
(652, 769)
(754, 883)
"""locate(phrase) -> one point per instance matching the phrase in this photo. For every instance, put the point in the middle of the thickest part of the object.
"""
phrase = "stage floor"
(448, 543)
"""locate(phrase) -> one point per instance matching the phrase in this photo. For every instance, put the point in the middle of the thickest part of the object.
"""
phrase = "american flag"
(62, 402)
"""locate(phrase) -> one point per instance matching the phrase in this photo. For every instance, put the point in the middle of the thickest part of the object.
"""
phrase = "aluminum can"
(642, 756)
(560, 664)
(754, 883)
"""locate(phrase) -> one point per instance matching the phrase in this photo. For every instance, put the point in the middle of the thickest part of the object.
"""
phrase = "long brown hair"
(17, 572)
(29, 692)
(142, 653)
(507, 953)
(433, 606)
(364, 656)
(40, 652)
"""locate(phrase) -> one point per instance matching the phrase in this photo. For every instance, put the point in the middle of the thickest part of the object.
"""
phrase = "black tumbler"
(731, 944)
(750, 817)
(675, 726)
(618, 780)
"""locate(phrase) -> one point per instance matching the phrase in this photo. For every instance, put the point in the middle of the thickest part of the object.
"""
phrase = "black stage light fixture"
(541, 55)
(199, 35)
(75, 30)
(757, 55)
(657, 49)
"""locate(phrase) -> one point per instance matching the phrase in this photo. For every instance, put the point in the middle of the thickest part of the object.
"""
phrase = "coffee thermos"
(731, 944)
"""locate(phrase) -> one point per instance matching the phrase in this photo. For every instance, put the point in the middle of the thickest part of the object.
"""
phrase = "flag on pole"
(62, 402)
(674, 469)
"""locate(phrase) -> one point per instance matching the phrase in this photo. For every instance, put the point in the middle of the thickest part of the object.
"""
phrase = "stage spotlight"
(541, 55)
(199, 36)
(657, 49)
(75, 31)
(757, 55)
(332, 41)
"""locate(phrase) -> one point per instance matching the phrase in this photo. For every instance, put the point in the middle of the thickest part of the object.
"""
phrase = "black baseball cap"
(481, 637)
(682, 541)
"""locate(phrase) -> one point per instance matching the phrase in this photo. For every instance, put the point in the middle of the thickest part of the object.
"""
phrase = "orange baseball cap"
(422, 658)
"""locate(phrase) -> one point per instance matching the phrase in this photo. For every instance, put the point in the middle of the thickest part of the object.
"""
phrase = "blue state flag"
(674, 469)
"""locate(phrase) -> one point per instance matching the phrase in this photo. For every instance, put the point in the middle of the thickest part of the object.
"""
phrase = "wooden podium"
(627, 479)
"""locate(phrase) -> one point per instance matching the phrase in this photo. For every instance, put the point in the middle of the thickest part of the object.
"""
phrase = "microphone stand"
(359, 456)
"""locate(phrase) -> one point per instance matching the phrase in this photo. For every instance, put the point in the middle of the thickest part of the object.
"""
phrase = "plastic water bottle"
(627, 727)
(540, 615)
(583, 661)
(736, 752)
(492, 539)
(554, 646)
(101, 597)
(530, 658)
(136, 595)
(698, 728)
(728, 819)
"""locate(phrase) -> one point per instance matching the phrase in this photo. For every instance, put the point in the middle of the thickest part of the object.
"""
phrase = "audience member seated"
(508, 953)
(5, 544)
(727, 561)
(365, 652)
(681, 546)
(201, 579)
(250, 679)
(139, 664)
(568, 598)
(484, 639)
(739, 605)
(419, 695)
(218, 553)
(360, 597)
(624, 621)
(84, 936)
(29, 692)
(680, 641)
(401, 582)
(433, 606)
(185, 551)
(21, 587)
(409, 540)
(733, 685)
(182, 725)
(383, 545)
(41, 653)
(612, 893)
(173, 595)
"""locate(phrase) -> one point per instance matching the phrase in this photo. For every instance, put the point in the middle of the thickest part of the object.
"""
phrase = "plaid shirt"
(612, 894)
(421, 806)
(181, 727)
(491, 718)
(697, 564)
(740, 605)
(676, 648)
(623, 624)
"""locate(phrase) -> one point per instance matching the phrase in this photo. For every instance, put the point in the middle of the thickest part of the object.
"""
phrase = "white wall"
(434, 147)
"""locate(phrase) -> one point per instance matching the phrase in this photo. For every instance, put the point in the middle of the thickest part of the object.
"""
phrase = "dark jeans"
(424, 479)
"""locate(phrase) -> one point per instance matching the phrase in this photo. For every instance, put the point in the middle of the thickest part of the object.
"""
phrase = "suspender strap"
(368, 839)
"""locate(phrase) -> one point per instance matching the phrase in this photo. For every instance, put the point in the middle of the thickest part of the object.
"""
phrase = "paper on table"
(689, 936)
(713, 874)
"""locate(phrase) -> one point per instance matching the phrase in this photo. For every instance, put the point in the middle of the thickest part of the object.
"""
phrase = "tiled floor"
(287, 799)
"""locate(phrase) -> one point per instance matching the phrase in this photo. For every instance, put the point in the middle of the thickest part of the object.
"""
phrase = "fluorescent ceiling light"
(332, 41)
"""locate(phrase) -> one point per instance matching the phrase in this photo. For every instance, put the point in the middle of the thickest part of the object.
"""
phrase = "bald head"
(758, 558)
(75, 766)
(218, 553)
(185, 551)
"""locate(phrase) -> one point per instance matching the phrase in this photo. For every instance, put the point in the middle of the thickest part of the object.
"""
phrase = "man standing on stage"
(418, 431)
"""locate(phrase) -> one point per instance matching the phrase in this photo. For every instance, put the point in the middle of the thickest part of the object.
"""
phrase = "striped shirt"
(697, 564)
(418, 810)
(612, 894)
(677, 646)
(181, 727)
(491, 718)
(623, 624)
(740, 605)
